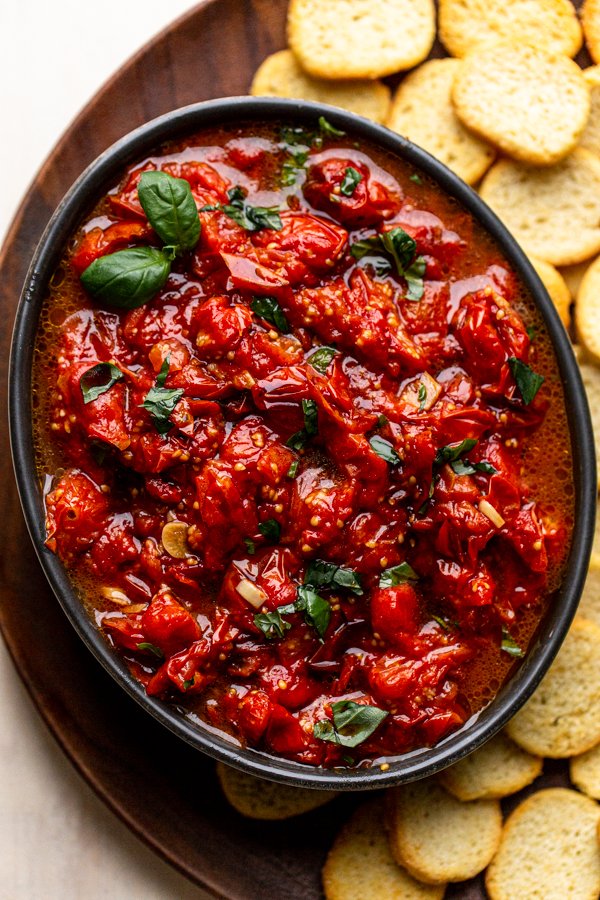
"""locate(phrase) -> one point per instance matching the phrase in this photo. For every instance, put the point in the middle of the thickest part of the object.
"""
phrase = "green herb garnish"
(401, 248)
(317, 611)
(528, 381)
(128, 278)
(352, 723)
(251, 218)
(271, 529)
(105, 372)
(269, 309)
(293, 469)
(328, 129)
(509, 645)
(151, 648)
(351, 179)
(385, 450)
(171, 210)
(250, 546)
(271, 624)
(396, 575)
(323, 574)
(321, 358)
(161, 401)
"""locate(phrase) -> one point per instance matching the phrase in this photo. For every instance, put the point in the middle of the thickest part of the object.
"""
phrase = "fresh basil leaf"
(452, 452)
(128, 278)
(323, 574)
(297, 135)
(399, 574)
(160, 401)
(351, 179)
(416, 178)
(531, 332)
(510, 646)
(443, 623)
(328, 129)
(528, 381)
(385, 450)
(422, 397)
(188, 683)
(317, 611)
(352, 724)
(321, 358)
(311, 420)
(400, 246)
(271, 624)
(365, 247)
(298, 440)
(414, 279)
(382, 420)
(271, 529)
(269, 309)
(250, 546)
(251, 218)
(294, 164)
(464, 467)
(485, 467)
(170, 207)
(293, 469)
(151, 648)
(106, 373)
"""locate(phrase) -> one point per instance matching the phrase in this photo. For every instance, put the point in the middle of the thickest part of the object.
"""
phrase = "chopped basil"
(107, 372)
(385, 450)
(443, 623)
(323, 574)
(293, 469)
(300, 439)
(401, 248)
(271, 624)
(317, 611)
(161, 401)
(351, 179)
(252, 218)
(151, 648)
(328, 129)
(452, 452)
(416, 178)
(188, 683)
(397, 575)
(250, 546)
(171, 210)
(271, 529)
(128, 278)
(531, 332)
(464, 467)
(297, 135)
(528, 381)
(352, 723)
(509, 645)
(321, 358)
(382, 420)
(295, 163)
(269, 309)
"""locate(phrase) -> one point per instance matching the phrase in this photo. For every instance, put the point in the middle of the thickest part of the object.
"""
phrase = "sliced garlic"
(251, 592)
(491, 513)
(174, 539)
(115, 595)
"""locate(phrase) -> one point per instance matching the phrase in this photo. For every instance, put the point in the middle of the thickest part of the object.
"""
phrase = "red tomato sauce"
(383, 523)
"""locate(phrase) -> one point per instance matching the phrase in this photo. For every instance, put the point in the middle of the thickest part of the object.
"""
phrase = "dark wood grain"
(165, 791)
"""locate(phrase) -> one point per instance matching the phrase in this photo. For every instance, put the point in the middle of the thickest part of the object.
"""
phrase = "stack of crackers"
(514, 116)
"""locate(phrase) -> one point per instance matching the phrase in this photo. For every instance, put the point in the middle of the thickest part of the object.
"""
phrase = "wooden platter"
(166, 792)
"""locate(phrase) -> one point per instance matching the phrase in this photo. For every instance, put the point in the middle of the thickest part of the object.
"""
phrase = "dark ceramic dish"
(97, 178)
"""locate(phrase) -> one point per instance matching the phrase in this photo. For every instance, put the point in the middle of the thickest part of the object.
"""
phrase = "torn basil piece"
(271, 529)
(352, 723)
(385, 450)
(161, 401)
(528, 381)
(269, 309)
(97, 380)
(510, 646)
(323, 574)
(350, 181)
(396, 575)
(271, 624)
(317, 611)
(321, 358)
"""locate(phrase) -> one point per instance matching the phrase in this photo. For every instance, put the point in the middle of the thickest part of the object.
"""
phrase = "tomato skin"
(101, 241)
(75, 514)
(168, 625)
(370, 203)
(394, 609)
(284, 733)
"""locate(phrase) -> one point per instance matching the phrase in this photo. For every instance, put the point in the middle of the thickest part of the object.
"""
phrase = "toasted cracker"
(562, 718)
(585, 772)
(590, 19)
(553, 212)
(360, 865)
(590, 138)
(258, 799)
(590, 375)
(573, 276)
(360, 38)
(549, 850)
(422, 111)
(497, 769)
(531, 104)
(438, 838)
(280, 75)
(556, 286)
(465, 25)
(587, 312)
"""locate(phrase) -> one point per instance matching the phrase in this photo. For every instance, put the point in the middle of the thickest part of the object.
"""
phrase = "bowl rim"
(79, 199)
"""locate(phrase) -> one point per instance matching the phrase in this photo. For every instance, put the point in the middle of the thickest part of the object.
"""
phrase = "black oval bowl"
(82, 197)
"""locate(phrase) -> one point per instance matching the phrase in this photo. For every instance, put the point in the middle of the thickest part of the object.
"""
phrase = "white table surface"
(57, 840)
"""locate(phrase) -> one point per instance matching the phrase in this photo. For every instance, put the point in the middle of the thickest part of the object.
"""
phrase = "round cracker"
(562, 718)
(531, 104)
(587, 312)
(590, 139)
(258, 799)
(573, 276)
(590, 19)
(438, 838)
(549, 850)
(590, 375)
(360, 38)
(465, 25)
(497, 769)
(422, 111)
(360, 864)
(585, 772)
(280, 75)
(553, 212)
(556, 286)
(589, 605)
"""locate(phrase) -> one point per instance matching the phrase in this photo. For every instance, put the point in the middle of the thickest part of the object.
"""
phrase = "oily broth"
(545, 455)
